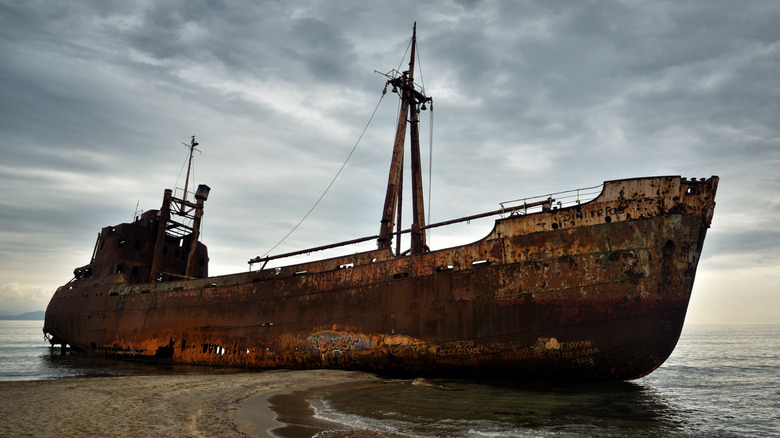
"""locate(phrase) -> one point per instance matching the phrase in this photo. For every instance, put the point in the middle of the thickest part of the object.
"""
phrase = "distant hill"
(29, 316)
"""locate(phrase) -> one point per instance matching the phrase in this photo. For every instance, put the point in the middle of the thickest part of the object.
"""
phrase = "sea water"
(721, 381)
(26, 355)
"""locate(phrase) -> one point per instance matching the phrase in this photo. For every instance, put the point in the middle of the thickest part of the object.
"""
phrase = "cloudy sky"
(530, 97)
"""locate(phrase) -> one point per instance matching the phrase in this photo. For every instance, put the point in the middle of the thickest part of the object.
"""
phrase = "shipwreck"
(562, 287)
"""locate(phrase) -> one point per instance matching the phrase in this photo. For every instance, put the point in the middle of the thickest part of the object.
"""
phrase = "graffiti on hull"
(335, 343)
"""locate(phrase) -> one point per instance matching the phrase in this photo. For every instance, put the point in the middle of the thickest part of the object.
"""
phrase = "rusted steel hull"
(595, 291)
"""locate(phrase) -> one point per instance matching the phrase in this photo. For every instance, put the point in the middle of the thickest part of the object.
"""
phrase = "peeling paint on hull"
(593, 291)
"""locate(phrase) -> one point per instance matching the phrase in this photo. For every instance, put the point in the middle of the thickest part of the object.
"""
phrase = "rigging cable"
(334, 178)
(184, 166)
(430, 165)
(419, 69)
(403, 58)
(430, 137)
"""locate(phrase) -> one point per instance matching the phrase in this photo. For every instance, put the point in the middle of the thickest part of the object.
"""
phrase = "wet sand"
(177, 405)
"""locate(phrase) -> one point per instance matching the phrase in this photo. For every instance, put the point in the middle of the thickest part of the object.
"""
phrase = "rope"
(403, 58)
(334, 178)
(430, 134)
(184, 166)
(430, 165)
(419, 70)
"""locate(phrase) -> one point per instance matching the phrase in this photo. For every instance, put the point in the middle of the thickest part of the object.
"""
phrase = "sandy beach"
(176, 405)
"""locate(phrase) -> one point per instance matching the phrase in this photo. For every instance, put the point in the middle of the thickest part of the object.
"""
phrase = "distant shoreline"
(29, 316)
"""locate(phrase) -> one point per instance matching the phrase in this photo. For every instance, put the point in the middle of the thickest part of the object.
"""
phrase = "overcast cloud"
(530, 97)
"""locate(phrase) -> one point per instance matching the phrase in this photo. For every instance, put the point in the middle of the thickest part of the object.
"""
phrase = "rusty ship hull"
(596, 290)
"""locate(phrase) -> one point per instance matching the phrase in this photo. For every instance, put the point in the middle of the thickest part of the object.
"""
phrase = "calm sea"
(721, 381)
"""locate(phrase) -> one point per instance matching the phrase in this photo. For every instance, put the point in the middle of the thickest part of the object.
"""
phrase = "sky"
(530, 98)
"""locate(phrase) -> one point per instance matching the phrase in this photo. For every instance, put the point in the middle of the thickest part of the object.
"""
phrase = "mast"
(418, 208)
(411, 99)
(179, 222)
(192, 149)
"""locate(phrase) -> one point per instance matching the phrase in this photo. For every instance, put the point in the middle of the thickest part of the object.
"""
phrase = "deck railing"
(523, 206)
(568, 198)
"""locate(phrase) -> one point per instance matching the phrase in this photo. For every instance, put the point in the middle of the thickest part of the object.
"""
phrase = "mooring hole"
(668, 248)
